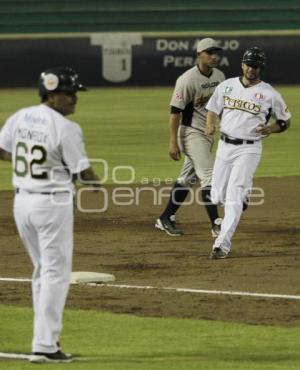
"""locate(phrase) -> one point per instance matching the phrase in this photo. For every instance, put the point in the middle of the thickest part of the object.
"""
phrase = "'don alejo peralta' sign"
(170, 48)
(134, 59)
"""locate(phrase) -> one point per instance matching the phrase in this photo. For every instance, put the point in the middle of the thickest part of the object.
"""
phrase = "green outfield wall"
(40, 16)
(143, 43)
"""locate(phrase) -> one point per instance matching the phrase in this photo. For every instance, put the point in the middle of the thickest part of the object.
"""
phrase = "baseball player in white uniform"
(187, 123)
(47, 151)
(245, 105)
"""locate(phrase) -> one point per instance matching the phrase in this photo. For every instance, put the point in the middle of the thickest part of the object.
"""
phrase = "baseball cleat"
(168, 226)
(245, 204)
(218, 253)
(57, 357)
(215, 231)
(59, 348)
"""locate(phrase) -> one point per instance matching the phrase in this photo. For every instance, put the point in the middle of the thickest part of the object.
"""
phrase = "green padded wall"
(57, 16)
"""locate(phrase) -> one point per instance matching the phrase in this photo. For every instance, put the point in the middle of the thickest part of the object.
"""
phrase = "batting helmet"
(59, 79)
(255, 57)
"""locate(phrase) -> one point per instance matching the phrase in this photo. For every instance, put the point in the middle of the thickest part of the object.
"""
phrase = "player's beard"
(252, 76)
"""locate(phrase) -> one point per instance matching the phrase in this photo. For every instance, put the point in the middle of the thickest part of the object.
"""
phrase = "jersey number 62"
(23, 166)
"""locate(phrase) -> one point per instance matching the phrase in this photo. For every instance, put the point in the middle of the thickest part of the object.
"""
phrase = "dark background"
(22, 60)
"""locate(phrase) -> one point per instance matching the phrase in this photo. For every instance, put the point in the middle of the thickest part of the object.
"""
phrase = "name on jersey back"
(32, 135)
(36, 130)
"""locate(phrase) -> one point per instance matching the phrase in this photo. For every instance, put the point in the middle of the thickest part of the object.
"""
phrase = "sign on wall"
(133, 59)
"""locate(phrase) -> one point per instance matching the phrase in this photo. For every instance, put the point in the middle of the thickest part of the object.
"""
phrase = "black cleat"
(245, 204)
(56, 357)
(218, 253)
(169, 226)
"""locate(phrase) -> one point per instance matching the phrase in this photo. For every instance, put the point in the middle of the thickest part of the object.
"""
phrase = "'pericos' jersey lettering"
(243, 108)
(231, 103)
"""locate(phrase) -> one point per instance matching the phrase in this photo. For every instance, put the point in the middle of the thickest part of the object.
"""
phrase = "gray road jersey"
(192, 92)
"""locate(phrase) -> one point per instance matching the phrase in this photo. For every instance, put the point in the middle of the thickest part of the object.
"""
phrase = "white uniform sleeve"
(216, 101)
(280, 110)
(182, 94)
(73, 150)
(6, 136)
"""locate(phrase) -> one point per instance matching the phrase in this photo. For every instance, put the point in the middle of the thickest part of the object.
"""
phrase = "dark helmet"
(59, 79)
(255, 57)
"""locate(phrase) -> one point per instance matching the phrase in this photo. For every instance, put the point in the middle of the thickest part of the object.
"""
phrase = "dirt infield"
(123, 241)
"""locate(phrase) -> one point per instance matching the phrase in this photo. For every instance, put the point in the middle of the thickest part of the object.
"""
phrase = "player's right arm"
(174, 123)
(214, 108)
(4, 155)
(180, 98)
(211, 122)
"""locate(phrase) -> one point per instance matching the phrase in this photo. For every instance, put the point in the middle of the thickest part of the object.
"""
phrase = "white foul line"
(21, 280)
(183, 290)
(15, 356)
(20, 356)
(202, 291)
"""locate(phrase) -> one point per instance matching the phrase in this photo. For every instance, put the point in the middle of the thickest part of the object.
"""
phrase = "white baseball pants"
(45, 225)
(232, 178)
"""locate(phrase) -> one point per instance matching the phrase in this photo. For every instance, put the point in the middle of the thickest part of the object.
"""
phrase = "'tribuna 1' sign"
(116, 54)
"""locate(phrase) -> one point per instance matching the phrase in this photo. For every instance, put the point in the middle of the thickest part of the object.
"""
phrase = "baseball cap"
(207, 44)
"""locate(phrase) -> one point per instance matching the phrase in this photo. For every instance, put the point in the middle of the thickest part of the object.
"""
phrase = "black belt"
(43, 192)
(236, 141)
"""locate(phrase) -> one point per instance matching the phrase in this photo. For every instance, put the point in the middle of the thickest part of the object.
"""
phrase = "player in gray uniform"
(187, 123)
(47, 152)
(245, 105)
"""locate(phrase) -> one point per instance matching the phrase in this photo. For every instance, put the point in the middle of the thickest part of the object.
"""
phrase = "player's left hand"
(264, 130)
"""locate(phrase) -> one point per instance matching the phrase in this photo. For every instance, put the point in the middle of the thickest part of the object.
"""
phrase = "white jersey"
(242, 108)
(192, 92)
(46, 149)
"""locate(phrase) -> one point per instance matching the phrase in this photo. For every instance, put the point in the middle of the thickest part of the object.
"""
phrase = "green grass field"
(121, 342)
(128, 127)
